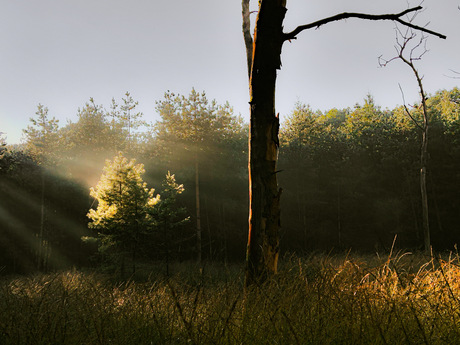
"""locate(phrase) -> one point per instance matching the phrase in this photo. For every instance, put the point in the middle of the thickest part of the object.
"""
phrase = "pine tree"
(198, 127)
(41, 139)
(124, 209)
(2, 145)
(41, 136)
(168, 217)
(126, 121)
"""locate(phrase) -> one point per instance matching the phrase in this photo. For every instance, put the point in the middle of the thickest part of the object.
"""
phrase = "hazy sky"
(62, 52)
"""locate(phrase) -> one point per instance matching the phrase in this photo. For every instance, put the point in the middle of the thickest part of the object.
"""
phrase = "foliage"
(169, 219)
(124, 206)
(2, 144)
(202, 140)
(349, 179)
(350, 176)
(195, 118)
(20, 215)
(41, 137)
(194, 125)
(91, 132)
(126, 121)
(166, 214)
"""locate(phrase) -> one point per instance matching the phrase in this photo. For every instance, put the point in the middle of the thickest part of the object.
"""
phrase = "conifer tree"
(126, 120)
(196, 126)
(2, 145)
(168, 217)
(41, 136)
(41, 139)
(124, 209)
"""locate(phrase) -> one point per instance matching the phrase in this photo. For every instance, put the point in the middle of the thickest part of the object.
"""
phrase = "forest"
(119, 230)
(350, 180)
(331, 226)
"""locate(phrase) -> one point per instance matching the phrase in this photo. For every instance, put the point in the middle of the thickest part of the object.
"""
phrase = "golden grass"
(400, 299)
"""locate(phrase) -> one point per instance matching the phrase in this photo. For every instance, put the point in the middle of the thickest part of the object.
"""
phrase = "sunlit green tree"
(124, 208)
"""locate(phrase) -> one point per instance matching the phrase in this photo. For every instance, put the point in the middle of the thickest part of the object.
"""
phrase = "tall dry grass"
(400, 299)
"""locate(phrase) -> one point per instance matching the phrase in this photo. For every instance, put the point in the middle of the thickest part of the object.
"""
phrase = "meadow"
(399, 298)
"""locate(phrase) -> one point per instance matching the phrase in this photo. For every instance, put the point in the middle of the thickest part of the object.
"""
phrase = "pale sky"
(62, 52)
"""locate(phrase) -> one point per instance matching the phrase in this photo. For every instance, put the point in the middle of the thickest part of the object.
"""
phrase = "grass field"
(397, 299)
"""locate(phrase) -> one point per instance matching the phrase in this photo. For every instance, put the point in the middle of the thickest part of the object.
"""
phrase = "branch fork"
(393, 17)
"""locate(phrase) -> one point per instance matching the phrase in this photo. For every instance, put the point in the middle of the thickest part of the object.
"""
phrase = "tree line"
(349, 179)
(351, 176)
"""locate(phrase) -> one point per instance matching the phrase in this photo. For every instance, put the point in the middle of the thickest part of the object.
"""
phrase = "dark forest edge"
(349, 179)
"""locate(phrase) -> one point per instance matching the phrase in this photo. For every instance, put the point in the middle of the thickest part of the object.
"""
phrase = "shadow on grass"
(398, 299)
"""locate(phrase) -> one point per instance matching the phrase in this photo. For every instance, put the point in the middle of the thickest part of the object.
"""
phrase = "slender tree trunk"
(436, 206)
(302, 210)
(166, 236)
(122, 267)
(413, 208)
(208, 227)
(339, 220)
(225, 235)
(305, 227)
(41, 239)
(423, 158)
(424, 147)
(133, 258)
(198, 214)
(264, 211)
(423, 164)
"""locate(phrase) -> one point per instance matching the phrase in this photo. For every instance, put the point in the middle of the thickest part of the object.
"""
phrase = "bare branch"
(402, 44)
(394, 17)
(425, 123)
(407, 110)
(400, 48)
(425, 50)
(453, 77)
(406, 38)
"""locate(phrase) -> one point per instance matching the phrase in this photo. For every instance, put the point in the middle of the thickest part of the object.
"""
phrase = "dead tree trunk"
(247, 34)
(264, 195)
(423, 126)
(423, 163)
(264, 59)
(423, 157)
